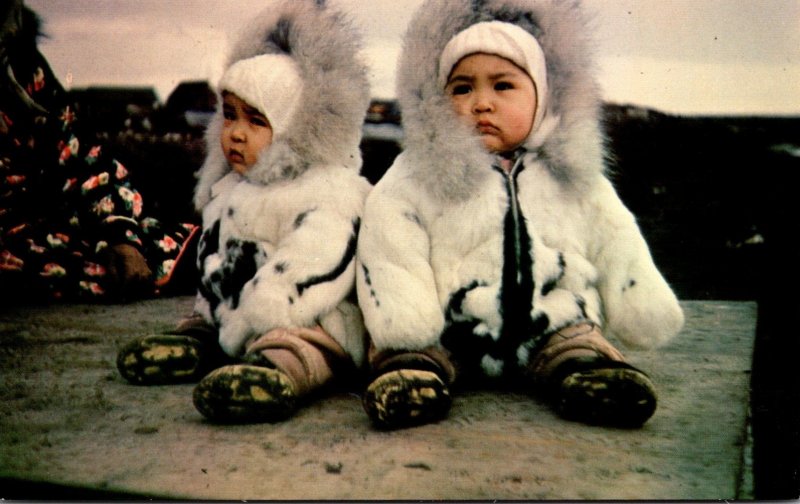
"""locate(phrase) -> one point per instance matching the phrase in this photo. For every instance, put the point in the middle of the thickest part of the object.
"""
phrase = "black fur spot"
(208, 244)
(413, 218)
(582, 305)
(291, 300)
(467, 348)
(454, 306)
(551, 283)
(367, 279)
(347, 258)
(278, 39)
(280, 268)
(540, 323)
(231, 211)
(239, 267)
(298, 221)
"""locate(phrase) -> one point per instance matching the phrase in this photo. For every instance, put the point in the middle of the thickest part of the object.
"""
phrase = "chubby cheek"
(519, 129)
(224, 141)
(462, 110)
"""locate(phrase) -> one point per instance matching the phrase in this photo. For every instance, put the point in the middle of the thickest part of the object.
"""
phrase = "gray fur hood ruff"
(450, 162)
(326, 129)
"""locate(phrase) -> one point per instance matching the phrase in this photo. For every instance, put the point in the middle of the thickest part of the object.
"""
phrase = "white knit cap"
(506, 40)
(270, 83)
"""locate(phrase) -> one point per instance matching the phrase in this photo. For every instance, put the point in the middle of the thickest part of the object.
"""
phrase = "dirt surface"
(68, 418)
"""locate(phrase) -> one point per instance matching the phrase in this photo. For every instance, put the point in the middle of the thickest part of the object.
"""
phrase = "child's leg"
(409, 388)
(589, 380)
(280, 367)
(184, 355)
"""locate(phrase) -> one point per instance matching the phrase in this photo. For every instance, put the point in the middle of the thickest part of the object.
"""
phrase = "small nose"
(482, 102)
(237, 132)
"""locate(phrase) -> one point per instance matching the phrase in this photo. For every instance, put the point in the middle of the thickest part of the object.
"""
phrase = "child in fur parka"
(495, 249)
(281, 200)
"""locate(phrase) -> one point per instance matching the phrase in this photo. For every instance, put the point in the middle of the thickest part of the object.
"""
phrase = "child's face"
(494, 96)
(245, 133)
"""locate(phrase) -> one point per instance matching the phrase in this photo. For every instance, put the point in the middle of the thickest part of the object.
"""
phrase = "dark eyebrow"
(252, 111)
(492, 77)
(226, 104)
(502, 75)
(460, 78)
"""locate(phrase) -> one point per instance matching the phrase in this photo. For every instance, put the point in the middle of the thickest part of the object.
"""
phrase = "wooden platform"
(70, 426)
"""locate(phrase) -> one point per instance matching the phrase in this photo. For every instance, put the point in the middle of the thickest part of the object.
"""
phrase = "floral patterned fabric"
(65, 202)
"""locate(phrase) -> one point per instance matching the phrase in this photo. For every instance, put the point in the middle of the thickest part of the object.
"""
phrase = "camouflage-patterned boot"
(410, 388)
(184, 356)
(589, 381)
(281, 368)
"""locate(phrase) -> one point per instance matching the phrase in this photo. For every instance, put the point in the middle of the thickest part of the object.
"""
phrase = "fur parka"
(455, 251)
(278, 244)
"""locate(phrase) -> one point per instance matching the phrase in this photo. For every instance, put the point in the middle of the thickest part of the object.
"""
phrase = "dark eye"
(503, 86)
(228, 114)
(460, 89)
(259, 121)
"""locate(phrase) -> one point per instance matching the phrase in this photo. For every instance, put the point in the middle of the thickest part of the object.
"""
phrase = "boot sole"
(616, 397)
(160, 360)
(406, 398)
(242, 393)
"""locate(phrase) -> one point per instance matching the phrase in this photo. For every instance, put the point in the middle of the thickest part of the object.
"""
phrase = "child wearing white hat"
(281, 199)
(495, 250)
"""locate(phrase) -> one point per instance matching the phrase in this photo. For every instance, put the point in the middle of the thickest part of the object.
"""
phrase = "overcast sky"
(678, 56)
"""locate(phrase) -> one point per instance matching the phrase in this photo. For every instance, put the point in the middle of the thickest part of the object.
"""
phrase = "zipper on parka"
(516, 296)
(511, 187)
(510, 177)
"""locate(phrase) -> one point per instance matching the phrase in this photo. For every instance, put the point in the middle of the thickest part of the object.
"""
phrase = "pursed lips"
(235, 156)
(486, 127)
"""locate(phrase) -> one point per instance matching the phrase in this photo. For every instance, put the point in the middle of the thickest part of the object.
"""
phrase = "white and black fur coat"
(278, 244)
(454, 251)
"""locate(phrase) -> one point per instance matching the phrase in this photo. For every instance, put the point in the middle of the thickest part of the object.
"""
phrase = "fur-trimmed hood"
(327, 127)
(449, 161)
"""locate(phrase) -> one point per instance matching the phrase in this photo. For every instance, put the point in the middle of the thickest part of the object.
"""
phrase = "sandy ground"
(67, 418)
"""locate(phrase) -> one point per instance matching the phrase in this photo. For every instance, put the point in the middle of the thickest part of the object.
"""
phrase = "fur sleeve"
(394, 278)
(304, 276)
(639, 306)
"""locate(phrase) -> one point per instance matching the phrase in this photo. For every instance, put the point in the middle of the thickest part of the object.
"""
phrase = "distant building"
(190, 105)
(382, 138)
(116, 108)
